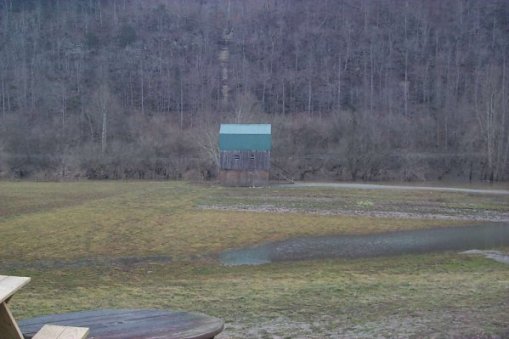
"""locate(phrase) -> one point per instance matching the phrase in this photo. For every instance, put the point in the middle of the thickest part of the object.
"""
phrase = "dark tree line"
(372, 90)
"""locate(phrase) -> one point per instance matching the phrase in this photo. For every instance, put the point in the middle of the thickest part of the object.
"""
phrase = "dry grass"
(424, 295)
(155, 218)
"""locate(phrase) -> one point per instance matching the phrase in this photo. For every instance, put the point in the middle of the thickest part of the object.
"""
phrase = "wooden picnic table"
(132, 323)
(8, 286)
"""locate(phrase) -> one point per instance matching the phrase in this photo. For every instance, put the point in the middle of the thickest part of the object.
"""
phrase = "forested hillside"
(362, 90)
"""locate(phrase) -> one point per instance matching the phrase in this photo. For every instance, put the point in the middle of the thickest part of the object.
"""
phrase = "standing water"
(373, 245)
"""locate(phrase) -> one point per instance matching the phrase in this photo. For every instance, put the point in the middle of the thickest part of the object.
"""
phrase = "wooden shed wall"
(245, 160)
(244, 178)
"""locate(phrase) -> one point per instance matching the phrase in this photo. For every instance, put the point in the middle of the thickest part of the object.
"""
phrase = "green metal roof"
(245, 129)
(245, 137)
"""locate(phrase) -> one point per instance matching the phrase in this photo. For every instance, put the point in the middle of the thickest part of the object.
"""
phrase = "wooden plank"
(49, 332)
(61, 332)
(244, 178)
(10, 285)
(245, 160)
(8, 327)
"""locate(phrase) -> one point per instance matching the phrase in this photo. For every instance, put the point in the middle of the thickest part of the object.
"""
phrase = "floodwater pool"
(482, 236)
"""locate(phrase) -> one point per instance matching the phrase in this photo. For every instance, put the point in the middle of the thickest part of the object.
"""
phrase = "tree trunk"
(104, 131)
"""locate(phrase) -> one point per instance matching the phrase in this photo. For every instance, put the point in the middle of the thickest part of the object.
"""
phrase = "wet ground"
(493, 255)
(473, 204)
(397, 187)
(483, 236)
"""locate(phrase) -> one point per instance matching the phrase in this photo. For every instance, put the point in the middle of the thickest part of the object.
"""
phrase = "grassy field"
(94, 245)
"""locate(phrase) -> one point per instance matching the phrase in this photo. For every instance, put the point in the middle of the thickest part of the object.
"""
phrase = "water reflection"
(359, 246)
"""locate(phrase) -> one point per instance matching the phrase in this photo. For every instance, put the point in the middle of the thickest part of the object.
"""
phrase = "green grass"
(421, 295)
(351, 292)
(152, 218)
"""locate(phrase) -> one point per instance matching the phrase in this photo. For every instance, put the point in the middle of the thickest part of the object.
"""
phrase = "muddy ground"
(437, 214)
(370, 200)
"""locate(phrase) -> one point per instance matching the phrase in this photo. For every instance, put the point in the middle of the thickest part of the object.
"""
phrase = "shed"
(245, 154)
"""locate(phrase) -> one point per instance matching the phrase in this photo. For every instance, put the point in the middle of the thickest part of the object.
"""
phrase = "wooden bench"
(111, 324)
(9, 327)
(8, 286)
(61, 332)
